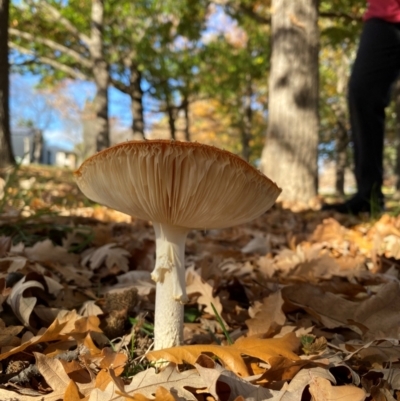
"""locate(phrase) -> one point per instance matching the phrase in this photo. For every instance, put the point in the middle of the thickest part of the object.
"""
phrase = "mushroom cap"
(183, 184)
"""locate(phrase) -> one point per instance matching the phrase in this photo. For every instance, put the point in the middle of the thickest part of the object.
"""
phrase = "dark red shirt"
(388, 10)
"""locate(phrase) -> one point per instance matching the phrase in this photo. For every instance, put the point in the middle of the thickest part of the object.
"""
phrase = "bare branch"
(53, 45)
(119, 85)
(72, 72)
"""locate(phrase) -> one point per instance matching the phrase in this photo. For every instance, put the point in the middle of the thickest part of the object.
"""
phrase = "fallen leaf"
(110, 254)
(231, 355)
(199, 286)
(45, 251)
(265, 314)
(23, 306)
(322, 390)
(147, 382)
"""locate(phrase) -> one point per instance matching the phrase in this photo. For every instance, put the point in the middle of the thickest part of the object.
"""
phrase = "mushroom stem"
(169, 274)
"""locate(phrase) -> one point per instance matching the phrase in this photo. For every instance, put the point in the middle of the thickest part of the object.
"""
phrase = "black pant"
(375, 69)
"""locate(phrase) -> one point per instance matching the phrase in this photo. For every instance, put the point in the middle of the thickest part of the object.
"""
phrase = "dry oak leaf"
(108, 387)
(109, 254)
(54, 373)
(265, 314)
(7, 395)
(322, 390)
(147, 382)
(376, 317)
(294, 391)
(13, 264)
(45, 251)
(214, 374)
(4, 292)
(284, 369)
(8, 335)
(205, 289)
(60, 329)
(113, 360)
(231, 355)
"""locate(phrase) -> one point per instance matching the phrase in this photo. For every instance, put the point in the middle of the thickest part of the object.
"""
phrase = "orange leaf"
(113, 360)
(322, 390)
(231, 355)
(72, 392)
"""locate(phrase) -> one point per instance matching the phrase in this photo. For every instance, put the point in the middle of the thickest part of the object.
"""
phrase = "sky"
(27, 103)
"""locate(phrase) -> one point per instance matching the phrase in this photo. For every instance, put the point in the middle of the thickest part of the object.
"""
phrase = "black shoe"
(356, 205)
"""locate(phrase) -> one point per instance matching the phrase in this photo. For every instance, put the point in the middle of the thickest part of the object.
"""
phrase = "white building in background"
(29, 147)
(27, 144)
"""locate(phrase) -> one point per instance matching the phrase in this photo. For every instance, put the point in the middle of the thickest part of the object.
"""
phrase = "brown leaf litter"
(311, 301)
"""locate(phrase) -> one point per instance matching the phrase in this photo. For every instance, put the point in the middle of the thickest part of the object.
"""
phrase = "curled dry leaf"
(23, 306)
(214, 375)
(13, 263)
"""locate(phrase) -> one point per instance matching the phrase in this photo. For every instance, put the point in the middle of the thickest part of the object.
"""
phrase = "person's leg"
(376, 67)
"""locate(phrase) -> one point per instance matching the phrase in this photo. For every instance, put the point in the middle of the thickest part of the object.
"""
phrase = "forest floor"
(292, 306)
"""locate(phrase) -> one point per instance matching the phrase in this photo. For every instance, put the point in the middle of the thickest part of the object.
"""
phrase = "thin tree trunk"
(290, 153)
(247, 122)
(185, 106)
(342, 137)
(171, 116)
(6, 155)
(136, 93)
(342, 141)
(101, 76)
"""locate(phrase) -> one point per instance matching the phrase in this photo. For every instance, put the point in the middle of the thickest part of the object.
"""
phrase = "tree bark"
(397, 108)
(136, 94)
(290, 153)
(100, 75)
(171, 111)
(342, 142)
(6, 154)
(247, 122)
(342, 124)
(185, 106)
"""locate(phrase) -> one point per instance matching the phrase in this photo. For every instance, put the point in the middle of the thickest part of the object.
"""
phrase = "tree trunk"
(342, 141)
(6, 155)
(290, 153)
(247, 122)
(136, 94)
(171, 115)
(101, 76)
(342, 122)
(185, 106)
(397, 108)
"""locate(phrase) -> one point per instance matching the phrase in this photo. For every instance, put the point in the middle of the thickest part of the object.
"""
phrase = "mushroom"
(179, 186)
